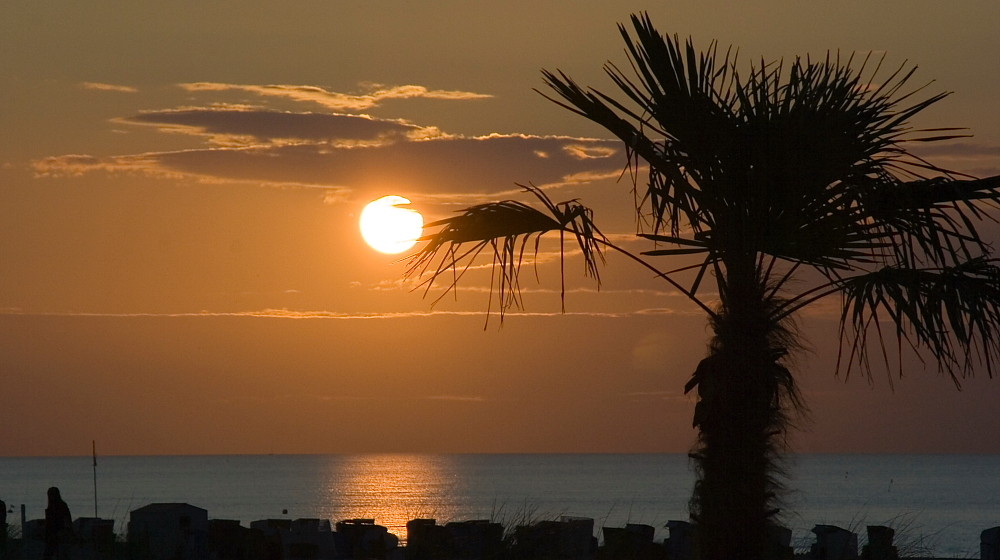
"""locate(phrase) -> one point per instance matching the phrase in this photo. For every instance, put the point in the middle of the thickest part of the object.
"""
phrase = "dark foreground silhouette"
(59, 535)
(178, 531)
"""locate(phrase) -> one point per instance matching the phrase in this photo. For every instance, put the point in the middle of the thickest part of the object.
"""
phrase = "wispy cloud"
(341, 153)
(375, 94)
(76, 165)
(441, 166)
(978, 160)
(343, 150)
(242, 126)
(403, 284)
(312, 315)
(98, 86)
(958, 150)
(589, 151)
(667, 311)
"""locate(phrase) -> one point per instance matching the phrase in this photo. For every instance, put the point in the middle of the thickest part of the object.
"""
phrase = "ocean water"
(938, 503)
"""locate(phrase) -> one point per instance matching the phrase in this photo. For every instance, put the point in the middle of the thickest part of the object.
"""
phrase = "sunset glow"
(182, 186)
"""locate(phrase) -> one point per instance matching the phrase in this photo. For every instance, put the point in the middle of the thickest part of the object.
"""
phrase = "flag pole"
(93, 448)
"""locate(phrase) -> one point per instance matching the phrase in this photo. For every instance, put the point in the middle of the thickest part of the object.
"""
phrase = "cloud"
(312, 315)
(441, 166)
(978, 160)
(588, 151)
(400, 284)
(958, 150)
(77, 165)
(98, 86)
(240, 126)
(343, 153)
(666, 311)
(70, 165)
(335, 100)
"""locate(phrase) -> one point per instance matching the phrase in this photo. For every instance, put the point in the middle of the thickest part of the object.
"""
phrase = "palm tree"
(775, 179)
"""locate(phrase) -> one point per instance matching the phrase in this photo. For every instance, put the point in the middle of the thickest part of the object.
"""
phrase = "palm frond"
(807, 163)
(777, 161)
(934, 216)
(505, 227)
(679, 124)
(952, 311)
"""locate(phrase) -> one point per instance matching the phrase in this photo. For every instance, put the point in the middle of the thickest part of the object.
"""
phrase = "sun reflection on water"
(392, 489)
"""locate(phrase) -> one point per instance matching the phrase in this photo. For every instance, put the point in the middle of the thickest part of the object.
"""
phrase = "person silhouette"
(3, 529)
(58, 527)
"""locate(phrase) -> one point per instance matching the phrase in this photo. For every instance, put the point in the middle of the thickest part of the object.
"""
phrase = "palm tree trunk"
(741, 417)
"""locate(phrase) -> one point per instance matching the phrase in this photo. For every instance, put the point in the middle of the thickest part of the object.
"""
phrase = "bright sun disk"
(387, 227)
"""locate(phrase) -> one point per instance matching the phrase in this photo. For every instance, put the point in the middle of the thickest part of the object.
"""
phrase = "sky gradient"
(181, 269)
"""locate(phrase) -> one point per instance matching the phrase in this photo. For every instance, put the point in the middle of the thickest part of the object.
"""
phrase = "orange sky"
(181, 269)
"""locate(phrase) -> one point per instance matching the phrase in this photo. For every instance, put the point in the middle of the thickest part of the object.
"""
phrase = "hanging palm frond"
(506, 227)
(953, 312)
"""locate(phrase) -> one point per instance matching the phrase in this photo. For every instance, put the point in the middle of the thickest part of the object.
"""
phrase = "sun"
(387, 227)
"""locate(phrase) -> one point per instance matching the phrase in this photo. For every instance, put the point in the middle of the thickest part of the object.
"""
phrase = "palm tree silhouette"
(785, 177)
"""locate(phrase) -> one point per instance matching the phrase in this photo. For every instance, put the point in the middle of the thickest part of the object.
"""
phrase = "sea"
(938, 504)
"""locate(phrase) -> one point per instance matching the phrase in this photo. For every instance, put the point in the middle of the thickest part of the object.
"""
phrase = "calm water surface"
(939, 503)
